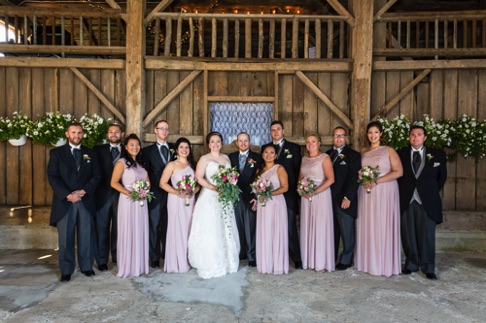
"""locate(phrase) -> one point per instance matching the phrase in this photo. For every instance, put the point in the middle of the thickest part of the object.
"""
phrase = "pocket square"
(342, 163)
(436, 164)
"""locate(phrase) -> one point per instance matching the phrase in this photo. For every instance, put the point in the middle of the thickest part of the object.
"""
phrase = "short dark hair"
(378, 125)
(74, 124)
(213, 133)
(190, 157)
(417, 126)
(138, 161)
(114, 124)
(340, 127)
(243, 133)
(274, 122)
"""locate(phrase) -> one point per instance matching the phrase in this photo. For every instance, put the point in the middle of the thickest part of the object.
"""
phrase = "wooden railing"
(435, 34)
(48, 31)
(248, 36)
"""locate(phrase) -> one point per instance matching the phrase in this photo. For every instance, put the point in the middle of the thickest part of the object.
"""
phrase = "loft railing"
(250, 36)
(73, 31)
(435, 34)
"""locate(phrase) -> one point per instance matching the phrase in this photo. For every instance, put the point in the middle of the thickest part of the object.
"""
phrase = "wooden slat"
(248, 45)
(237, 39)
(428, 64)
(200, 37)
(221, 98)
(25, 152)
(384, 9)
(310, 111)
(214, 37)
(190, 53)
(173, 106)
(271, 40)
(49, 49)
(283, 38)
(260, 38)
(318, 38)
(481, 166)
(295, 38)
(330, 38)
(65, 62)
(186, 115)
(306, 38)
(179, 37)
(160, 7)
(94, 104)
(12, 162)
(342, 11)
(157, 37)
(427, 52)
(3, 145)
(168, 37)
(225, 38)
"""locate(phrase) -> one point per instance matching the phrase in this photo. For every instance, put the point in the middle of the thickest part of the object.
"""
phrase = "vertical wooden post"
(362, 54)
(135, 69)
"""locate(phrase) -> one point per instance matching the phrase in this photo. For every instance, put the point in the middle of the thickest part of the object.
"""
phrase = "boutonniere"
(251, 162)
(341, 156)
(429, 156)
(172, 153)
(87, 158)
(287, 153)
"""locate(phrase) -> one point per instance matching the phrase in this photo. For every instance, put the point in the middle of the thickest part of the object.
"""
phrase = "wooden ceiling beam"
(342, 11)
(384, 9)
(161, 6)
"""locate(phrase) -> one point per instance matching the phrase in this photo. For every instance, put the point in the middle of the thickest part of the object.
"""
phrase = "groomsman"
(156, 157)
(74, 174)
(107, 198)
(247, 163)
(424, 175)
(289, 156)
(346, 163)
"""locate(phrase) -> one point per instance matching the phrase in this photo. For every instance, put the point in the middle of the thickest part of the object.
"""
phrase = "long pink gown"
(316, 221)
(272, 237)
(378, 223)
(133, 229)
(178, 227)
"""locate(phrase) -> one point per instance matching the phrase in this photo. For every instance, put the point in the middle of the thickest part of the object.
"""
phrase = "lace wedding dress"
(213, 242)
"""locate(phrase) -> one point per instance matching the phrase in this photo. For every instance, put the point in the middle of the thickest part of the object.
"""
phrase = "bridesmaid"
(133, 240)
(179, 214)
(272, 238)
(316, 217)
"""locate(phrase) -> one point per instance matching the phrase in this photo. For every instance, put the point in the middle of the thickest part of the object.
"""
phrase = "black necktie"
(277, 147)
(165, 152)
(416, 161)
(334, 154)
(114, 153)
(77, 157)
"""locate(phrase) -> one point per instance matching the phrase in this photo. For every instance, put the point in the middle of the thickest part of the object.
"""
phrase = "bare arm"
(164, 180)
(116, 178)
(200, 171)
(284, 181)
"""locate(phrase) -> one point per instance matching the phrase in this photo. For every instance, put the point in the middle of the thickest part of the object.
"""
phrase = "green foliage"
(49, 128)
(14, 128)
(95, 128)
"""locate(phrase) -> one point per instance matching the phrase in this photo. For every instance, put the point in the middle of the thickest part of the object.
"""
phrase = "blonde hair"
(312, 134)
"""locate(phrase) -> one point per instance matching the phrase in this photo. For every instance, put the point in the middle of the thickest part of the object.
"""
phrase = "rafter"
(161, 6)
(342, 11)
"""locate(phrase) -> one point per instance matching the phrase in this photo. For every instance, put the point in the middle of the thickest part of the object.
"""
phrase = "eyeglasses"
(162, 129)
(339, 135)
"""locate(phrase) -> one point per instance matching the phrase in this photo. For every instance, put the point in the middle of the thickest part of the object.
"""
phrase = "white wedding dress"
(213, 245)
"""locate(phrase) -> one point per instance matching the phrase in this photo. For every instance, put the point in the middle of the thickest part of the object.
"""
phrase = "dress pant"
(106, 229)
(294, 247)
(345, 230)
(77, 222)
(418, 239)
(157, 231)
(246, 223)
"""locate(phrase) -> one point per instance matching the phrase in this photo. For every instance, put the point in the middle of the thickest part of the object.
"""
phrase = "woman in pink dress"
(378, 223)
(272, 237)
(316, 217)
(179, 208)
(133, 240)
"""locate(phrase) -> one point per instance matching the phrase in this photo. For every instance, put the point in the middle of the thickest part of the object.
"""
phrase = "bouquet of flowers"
(141, 192)
(262, 189)
(305, 186)
(228, 191)
(186, 188)
(368, 174)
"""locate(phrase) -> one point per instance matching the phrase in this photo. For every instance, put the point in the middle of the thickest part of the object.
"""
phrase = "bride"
(213, 246)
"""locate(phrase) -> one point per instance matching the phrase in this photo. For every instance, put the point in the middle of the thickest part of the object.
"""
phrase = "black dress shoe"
(88, 273)
(252, 263)
(155, 264)
(342, 266)
(298, 265)
(406, 271)
(431, 276)
(65, 278)
(103, 267)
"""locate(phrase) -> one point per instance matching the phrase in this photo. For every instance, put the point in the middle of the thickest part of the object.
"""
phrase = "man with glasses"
(156, 157)
(346, 163)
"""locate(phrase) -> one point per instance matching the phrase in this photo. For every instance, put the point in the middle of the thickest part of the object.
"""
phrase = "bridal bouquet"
(263, 190)
(186, 188)
(306, 186)
(226, 179)
(368, 174)
(141, 192)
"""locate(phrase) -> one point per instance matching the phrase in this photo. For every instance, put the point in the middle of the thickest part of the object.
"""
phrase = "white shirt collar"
(279, 142)
(244, 152)
(77, 147)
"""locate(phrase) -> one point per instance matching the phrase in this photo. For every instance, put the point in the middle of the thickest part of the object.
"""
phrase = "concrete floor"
(30, 292)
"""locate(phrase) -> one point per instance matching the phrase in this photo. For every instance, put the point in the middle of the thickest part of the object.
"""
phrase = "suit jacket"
(247, 176)
(65, 179)
(104, 190)
(290, 158)
(428, 184)
(346, 179)
(155, 166)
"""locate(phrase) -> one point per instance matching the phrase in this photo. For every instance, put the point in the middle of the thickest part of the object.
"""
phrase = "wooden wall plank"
(107, 86)
(80, 103)
(326, 119)
(436, 103)
(259, 84)
(25, 152)
(160, 91)
(94, 104)
(121, 92)
(407, 102)
(233, 87)
(66, 91)
(393, 87)
(186, 109)
(3, 144)
(245, 84)
(173, 107)
(339, 96)
(285, 102)
(310, 107)
(297, 108)
(198, 106)
(481, 166)
(218, 84)
(378, 94)
(149, 91)
(12, 96)
(51, 86)
(421, 100)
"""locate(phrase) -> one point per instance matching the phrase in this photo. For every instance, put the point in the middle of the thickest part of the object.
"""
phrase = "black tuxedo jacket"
(290, 158)
(103, 153)
(65, 179)
(247, 176)
(428, 184)
(155, 166)
(346, 179)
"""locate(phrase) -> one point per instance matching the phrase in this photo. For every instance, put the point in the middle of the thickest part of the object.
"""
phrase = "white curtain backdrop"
(231, 118)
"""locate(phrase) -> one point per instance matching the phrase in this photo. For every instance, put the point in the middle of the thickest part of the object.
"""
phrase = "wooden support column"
(362, 54)
(135, 70)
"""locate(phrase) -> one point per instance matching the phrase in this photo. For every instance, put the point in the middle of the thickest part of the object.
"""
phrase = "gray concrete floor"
(30, 292)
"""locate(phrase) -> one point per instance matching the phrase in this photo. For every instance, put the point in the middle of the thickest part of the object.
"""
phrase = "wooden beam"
(115, 5)
(342, 11)
(52, 49)
(400, 95)
(241, 98)
(31, 62)
(423, 64)
(430, 52)
(161, 6)
(175, 92)
(324, 98)
(100, 95)
(384, 9)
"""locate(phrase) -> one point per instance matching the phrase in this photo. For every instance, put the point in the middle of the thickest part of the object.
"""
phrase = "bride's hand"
(254, 206)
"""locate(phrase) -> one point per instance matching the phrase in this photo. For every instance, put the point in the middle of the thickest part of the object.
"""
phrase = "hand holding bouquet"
(141, 192)
(368, 175)
(225, 180)
(186, 188)
(262, 189)
(306, 186)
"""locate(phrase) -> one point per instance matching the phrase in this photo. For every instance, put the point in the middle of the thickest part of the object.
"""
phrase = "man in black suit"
(74, 174)
(247, 163)
(289, 156)
(346, 163)
(156, 157)
(107, 198)
(424, 175)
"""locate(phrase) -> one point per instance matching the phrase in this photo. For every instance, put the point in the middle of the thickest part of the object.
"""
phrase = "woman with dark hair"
(214, 246)
(179, 207)
(133, 235)
(378, 223)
